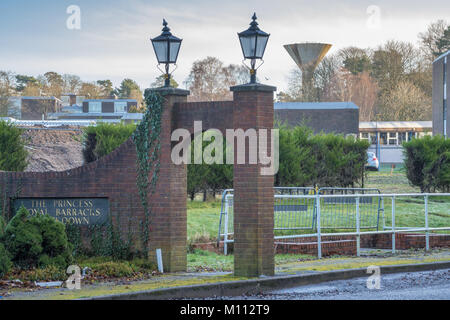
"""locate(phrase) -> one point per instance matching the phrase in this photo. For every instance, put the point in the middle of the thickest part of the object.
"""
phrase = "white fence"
(324, 213)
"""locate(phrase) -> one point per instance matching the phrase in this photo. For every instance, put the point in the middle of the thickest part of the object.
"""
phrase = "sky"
(113, 41)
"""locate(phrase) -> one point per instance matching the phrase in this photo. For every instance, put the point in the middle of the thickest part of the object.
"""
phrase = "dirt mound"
(53, 150)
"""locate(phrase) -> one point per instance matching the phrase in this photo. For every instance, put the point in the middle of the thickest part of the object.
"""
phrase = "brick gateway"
(113, 177)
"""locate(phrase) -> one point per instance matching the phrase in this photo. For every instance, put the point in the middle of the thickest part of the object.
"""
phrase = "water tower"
(307, 56)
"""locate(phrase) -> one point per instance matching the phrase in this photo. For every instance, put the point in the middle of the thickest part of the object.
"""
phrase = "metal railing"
(357, 219)
(226, 206)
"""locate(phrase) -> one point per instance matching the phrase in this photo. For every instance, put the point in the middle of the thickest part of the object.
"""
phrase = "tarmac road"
(429, 285)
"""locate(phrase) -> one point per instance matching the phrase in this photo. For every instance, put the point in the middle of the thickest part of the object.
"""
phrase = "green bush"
(56, 247)
(5, 261)
(23, 239)
(204, 177)
(37, 241)
(2, 227)
(427, 163)
(103, 138)
(319, 160)
(13, 156)
(305, 160)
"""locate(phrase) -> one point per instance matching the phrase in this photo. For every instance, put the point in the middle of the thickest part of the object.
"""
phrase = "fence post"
(358, 235)
(427, 235)
(225, 237)
(319, 237)
(393, 224)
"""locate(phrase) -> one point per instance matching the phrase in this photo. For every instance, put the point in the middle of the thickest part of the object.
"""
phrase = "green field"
(203, 217)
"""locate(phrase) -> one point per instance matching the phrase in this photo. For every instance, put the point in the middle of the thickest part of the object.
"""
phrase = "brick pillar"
(253, 192)
(168, 229)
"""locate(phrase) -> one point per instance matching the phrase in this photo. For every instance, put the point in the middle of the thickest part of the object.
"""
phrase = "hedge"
(427, 163)
(13, 156)
(103, 138)
(322, 160)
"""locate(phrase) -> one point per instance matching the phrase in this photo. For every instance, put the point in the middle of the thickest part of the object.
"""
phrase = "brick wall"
(114, 177)
(404, 241)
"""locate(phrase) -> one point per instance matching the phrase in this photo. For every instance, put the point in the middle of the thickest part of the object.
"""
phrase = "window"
(392, 138)
(120, 107)
(95, 107)
(411, 135)
(383, 138)
(373, 138)
(364, 136)
(401, 137)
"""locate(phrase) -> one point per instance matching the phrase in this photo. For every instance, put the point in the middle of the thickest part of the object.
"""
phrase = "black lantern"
(253, 43)
(166, 48)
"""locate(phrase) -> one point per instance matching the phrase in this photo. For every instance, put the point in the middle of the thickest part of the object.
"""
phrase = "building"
(441, 91)
(386, 137)
(106, 110)
(33, 108)
(329, 117)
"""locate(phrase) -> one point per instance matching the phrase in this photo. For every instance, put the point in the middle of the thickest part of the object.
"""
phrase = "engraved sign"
(75, 211)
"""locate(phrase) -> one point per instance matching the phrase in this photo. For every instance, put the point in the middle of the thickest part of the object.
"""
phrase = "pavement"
(288, 275)
(427, 285)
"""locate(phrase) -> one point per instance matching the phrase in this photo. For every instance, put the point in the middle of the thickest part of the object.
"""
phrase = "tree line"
(390, 82)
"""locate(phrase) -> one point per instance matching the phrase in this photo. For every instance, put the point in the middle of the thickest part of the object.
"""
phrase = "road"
(429, 285)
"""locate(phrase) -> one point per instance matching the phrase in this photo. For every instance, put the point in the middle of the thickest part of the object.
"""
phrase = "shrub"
(23, 239)
(13, 156)
(427, 163)
(319, 160)
(103, 138)
(2, 227)
(56, 247)
(5, 261)
(115, 269)
(37, 241)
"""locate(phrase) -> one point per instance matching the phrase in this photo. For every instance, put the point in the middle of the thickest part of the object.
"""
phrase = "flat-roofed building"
(386, 137)
(329, 117)
(108, 105)
(33, 108)
(441, 92)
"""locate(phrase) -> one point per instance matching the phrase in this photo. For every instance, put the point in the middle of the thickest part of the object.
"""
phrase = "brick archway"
(252, 107)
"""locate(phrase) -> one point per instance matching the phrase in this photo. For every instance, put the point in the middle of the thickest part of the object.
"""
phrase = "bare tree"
(210, 79)
(7, 85)
(406, 103)
(71, 83)
(430, 39)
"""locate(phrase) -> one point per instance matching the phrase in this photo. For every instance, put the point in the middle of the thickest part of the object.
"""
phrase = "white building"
(386, 137)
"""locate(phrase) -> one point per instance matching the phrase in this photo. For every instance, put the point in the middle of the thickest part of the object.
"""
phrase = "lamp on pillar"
(166, 47)
(253, 43)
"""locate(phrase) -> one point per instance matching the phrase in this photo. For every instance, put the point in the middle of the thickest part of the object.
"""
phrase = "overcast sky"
(113, 42)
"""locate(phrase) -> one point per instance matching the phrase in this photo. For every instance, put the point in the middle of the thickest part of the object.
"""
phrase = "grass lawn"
(200, 260)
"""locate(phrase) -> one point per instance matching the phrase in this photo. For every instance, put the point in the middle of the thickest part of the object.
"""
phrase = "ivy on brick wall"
(147, 139)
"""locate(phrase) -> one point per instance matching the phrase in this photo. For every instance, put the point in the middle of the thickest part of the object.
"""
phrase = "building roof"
(109, 100)
(395, 124)
(40, 98)
(314, 105)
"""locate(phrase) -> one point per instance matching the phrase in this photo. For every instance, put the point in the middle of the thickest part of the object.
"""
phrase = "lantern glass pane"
(261, 46)
(248, 46)
(174, 49)
(161, 51)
